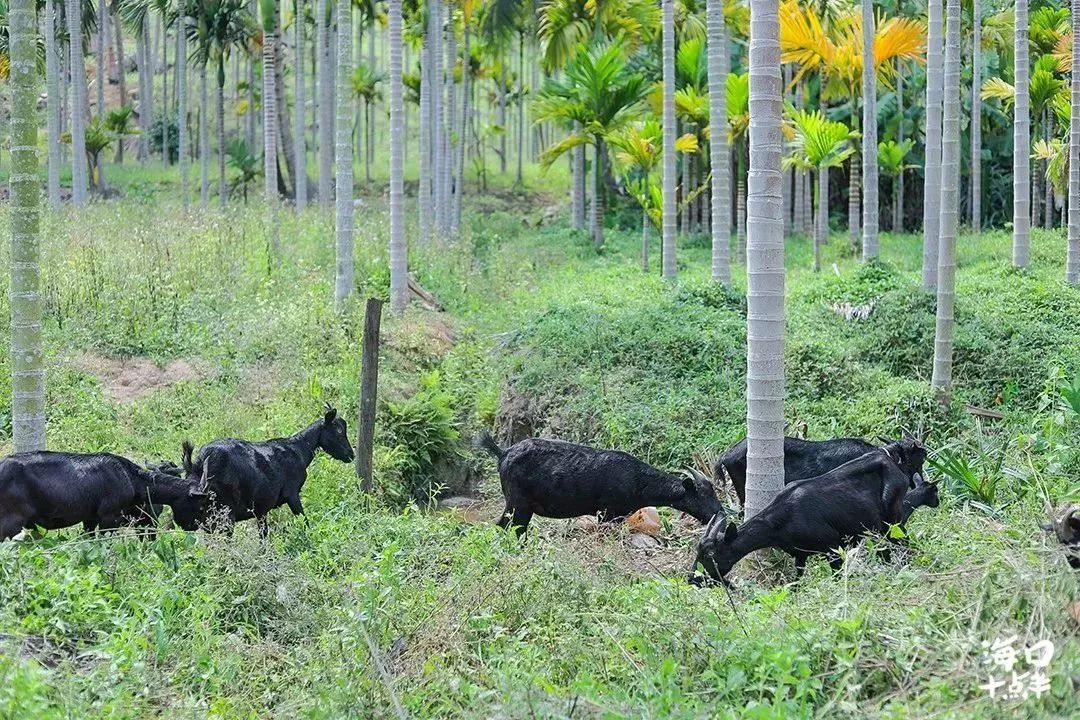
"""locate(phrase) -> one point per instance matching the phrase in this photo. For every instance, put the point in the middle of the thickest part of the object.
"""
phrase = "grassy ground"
(377, 602)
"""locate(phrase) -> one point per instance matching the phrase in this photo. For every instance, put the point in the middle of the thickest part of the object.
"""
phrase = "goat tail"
(486, 442)
(186, 450)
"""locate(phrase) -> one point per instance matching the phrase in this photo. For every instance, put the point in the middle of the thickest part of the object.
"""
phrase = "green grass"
(466, 622)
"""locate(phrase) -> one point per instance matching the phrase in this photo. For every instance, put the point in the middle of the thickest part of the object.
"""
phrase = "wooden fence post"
(369, 385)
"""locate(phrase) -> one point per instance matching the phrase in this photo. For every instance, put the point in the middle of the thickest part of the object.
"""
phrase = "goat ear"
(731, 532)
(331, 413)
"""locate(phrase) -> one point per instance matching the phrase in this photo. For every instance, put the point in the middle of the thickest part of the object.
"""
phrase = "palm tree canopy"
(891, 156)
(819, 142)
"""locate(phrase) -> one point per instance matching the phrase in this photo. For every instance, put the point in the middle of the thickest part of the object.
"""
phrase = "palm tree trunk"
(502, 117)
(27, 354)
(719, 153)
(577, 184)
(181, 106)
(800, 220)
(593, 230)
(821, 226)
(204, 140)
(344, 155)
(854, 208)
(932, 172)
(976, 119)
(451, 123)
(519, 180)
(788, 189)
(424, 188)
(369, 149)
(669, 179)
(950, 181)
(740, 208)
(121, 73)
(78, 104)
(269, 101)
(645, 232)
(223, 193)
(439, 121)
(146, 89)
(898, 181)
(286, 143)
(869, 138)
(764, 266)
(52, 77)
(300, 178)
(682, 189)
(599, 200)
(1048, 190)
(1072, 258)
(1021, 142)
(100, 59)
(165, 92)
(399, 282)
(326, 106)
(466, 91)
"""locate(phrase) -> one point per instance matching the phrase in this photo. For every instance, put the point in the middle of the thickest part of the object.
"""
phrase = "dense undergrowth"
(540, 334)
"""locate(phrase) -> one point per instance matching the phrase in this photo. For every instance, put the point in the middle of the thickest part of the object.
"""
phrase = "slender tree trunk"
(669, 178)
(223, 193)
(285, 142)
(593, 229)
(932, 172)
(645, 233)
(1048, 190)
(52, 75)
(165, 92)
(898, 181)
(299, 93)
(372, 120)
(326, 106)
(344, 153)
(204, 140)
(424, 188)
(788, 189)
(950, 181)
(270, 117)
(869, 138)
(577, 184)
(976, 119)
(519, 180)
(740, 209)
(399, 278)
(78, 104)
(502, 116)
(439, 120)
(799, 221)
(821, 226)
(451, 122)
(1021, 142)
(100, 58)
(854, 207)
(466, 91)
(682, 188)
(181, 108)
(599, 199)
(1072, 259)
(719, 153)
(27, 353)
(146, 89)
(764, 266)
(121, 73)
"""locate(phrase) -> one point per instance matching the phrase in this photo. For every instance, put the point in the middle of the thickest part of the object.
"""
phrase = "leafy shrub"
(171, 136)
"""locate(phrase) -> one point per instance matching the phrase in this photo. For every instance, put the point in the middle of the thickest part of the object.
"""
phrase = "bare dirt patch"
(127, 379)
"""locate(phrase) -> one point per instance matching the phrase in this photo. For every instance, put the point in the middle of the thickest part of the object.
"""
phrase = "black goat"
(249, 479)
(557, 479)
(1066, 526)
(812, 458)
(102, 491)
(924, 494)
(816, 515)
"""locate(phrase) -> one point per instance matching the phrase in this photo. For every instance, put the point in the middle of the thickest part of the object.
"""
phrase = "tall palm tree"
(1072, 260)
(204, 137)
(599, 91)
(950, 182)
(52, 82)
(719, 155)
(323, 23)
(976, 117)
(181, 98)
(100, 60)
(820, 144)
(425, 189)
(27, 362)
(269, 11)
(438, 115)
(932, 166)
(78, 102)
(669, 180)
(399, 282)
(869, 136)
(764, 265)
(299, 95)
(1021, 141)
(344, 154)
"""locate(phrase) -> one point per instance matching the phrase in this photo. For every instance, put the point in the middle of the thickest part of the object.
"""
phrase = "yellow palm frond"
(687, 144)
(996, 88)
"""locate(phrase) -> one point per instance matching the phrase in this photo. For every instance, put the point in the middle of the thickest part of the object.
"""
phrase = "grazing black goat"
(557, 479)
(249, 479)
(813, 458)
(146, 514)
(924, 494)
(812, 516)
(1066, 526)
(55, 490)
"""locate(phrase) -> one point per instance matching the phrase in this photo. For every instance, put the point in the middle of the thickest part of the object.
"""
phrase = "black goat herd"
(836, 492)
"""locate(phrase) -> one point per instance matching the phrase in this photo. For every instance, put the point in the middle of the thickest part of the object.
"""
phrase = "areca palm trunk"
(27, 356)
(52, 110)
(599, 199)
(719, 154)
(165, 91)
(223, 194)
(300, 181)
(854, 208)
(269, 100)
(439, 121)
(950, 180)
(101, 43)
(78, 103)
(1021, 142)
(898, 181)
(976, 118)
(326, 105)
(399, 282)
(344, 154)
(740, 207)
(423, 190)
(668, 224)
(821, 226)
(146, 87)
(181, 106)
(204, 140)
(800, 220)
(932, 171)
(1072, 258)
(869, 138)
(466, 91)
(764, 265)
(577, 184)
